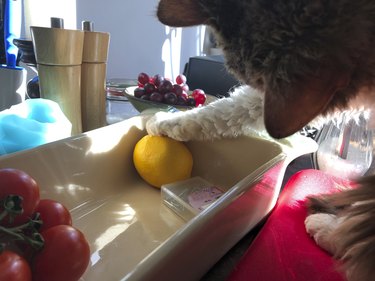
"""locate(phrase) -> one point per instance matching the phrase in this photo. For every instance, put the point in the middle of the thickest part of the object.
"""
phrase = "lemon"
(162, 160)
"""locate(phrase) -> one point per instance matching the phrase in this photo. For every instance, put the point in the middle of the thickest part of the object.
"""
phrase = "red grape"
(149, 88)
(191, 101)
(160, 89)
(170, 98)
(158, 79)
(177, 89)
(181, 79)
(185, 87)
(199, 96)
(182, 100)
(138, 92)
(165, 87)
(156, 97)
(184, 94)
(143, 78)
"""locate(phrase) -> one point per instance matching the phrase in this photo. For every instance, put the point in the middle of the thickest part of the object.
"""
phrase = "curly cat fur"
(285, 40)
(301, 59)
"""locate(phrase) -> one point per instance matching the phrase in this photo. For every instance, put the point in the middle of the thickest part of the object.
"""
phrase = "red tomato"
(52, 213)
(14, 267)
(17, 182)
(64, 257)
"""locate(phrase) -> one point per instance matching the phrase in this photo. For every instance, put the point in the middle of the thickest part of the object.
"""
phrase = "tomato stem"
(33, 238)
(3, 214)
(27, 232)
(2, 247)
(12, 205)
(10, 232)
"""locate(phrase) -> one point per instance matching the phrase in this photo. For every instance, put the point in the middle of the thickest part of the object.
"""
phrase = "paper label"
(200, 199)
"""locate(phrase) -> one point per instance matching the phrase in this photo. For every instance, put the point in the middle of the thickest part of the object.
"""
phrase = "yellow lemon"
(161, 160)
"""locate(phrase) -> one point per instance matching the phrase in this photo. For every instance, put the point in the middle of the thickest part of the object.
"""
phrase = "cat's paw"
(321, 226)
(153, 126)
(166, 124)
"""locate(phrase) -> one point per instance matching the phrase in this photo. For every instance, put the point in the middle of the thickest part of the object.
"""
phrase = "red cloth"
(283, 251)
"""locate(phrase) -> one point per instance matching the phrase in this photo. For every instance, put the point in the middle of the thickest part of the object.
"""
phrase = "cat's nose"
(279, 133)
(282, 129)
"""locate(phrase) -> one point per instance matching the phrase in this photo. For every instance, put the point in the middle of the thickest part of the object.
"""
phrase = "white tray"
(132, 235)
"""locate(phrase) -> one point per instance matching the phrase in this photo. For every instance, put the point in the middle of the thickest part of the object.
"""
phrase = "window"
(39, 13)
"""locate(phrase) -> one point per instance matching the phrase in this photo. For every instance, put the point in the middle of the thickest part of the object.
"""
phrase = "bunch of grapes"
(160, 89)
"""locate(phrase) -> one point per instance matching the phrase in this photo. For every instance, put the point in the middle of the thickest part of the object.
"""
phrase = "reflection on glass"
(345, 148)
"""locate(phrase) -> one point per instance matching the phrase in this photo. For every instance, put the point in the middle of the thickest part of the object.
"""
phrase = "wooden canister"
(62, 85)
(93, 78)
(58, 54)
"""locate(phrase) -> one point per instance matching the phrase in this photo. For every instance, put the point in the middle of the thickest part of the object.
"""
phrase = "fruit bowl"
(142, 105)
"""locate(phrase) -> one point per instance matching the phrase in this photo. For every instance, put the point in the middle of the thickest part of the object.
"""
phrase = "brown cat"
(307, 58)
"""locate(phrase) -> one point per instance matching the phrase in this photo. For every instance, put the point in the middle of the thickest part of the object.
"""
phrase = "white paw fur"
(239, 114)
(321, 226)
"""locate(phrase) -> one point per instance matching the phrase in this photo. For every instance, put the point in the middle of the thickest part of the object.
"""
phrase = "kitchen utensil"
(12, 77)
(58, 54)
(93, 77)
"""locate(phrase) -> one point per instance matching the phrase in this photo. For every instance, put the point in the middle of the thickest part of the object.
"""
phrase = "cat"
(297, 60)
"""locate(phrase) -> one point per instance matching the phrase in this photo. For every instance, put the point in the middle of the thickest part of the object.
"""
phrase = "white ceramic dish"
(132, 234)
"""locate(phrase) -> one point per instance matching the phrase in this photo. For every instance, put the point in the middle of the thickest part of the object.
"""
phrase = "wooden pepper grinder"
(58, 54)
(94, 67)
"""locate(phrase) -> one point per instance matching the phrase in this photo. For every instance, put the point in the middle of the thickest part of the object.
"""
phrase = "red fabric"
(283, 251)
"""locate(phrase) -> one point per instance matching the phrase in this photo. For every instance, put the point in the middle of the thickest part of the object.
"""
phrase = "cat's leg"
(228, 117)
(350, 237)
(323, 219)
(321, 227)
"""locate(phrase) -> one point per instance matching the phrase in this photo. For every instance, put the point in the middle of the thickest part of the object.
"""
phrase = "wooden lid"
(56, 46)
(95, 47)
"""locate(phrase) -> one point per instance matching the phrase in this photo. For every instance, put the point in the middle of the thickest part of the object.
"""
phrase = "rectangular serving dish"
(132, 234)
